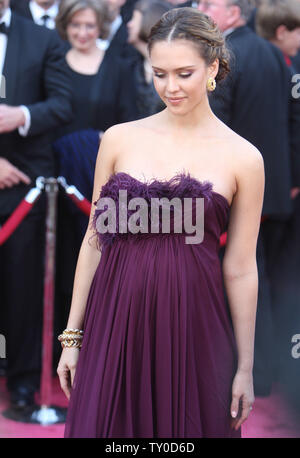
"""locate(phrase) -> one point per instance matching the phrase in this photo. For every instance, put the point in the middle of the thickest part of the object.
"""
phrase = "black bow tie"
(45, 18)
(3, 28)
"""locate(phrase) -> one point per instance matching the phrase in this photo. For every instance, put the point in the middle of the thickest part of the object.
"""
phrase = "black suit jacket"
(255, 102)
(296, 62)
(36, 76)
(119, 47)
(127, 10)
(252, 19)
(295, 118)
(21, 7)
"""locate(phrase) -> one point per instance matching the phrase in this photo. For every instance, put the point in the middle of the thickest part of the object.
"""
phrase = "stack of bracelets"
(71, 338)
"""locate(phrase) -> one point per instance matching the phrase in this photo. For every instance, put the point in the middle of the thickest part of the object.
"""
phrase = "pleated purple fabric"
(159, 354)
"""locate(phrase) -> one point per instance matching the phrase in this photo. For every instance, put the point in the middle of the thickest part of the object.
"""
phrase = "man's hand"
(11, 175)
(294, 192)
(11, 118)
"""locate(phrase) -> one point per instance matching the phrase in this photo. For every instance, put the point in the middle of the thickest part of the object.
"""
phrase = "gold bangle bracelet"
(64, 336)
(73, 331)
(71, 343)
(71, 338)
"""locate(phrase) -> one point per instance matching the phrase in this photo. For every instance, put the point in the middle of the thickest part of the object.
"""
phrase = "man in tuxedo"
(254, 102)
(126, 10)
(279, 22)
(37, 100)
(116, 43)
(42, 12)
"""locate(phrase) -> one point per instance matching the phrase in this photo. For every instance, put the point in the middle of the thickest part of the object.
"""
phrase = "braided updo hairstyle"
(190, 24)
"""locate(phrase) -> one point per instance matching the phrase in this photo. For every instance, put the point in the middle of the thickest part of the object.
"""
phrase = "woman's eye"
(185, 75)
(181, 75)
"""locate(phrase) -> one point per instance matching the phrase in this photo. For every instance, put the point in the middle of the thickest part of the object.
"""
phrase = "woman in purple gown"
(161, 355)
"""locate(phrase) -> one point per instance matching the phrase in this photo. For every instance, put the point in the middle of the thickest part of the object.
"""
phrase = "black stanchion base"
(43, 415)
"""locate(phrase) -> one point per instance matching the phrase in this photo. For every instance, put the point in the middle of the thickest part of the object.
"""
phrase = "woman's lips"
(175, 100)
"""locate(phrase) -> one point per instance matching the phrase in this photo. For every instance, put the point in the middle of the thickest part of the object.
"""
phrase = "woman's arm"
(88, 260)
(89, 256)
(240, 272)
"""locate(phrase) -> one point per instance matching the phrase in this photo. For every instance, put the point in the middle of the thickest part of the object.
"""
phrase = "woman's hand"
(242, 397)
(66, 369)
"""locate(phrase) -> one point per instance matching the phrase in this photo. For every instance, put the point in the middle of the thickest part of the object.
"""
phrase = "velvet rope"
(19, 213)
(80, 201)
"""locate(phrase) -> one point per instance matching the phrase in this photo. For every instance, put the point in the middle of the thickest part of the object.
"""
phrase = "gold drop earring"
(211, 84)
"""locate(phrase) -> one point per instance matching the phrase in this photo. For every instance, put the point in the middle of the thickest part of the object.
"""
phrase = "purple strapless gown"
(159, 354)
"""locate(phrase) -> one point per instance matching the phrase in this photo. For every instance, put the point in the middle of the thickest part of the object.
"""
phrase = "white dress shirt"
(115, 25)
(6, 18)
(38, 12)
(228, 32)
(3, 38)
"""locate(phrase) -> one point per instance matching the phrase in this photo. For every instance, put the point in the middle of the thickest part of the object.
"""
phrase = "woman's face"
(180, 75)
(83, 30)
(134, 26)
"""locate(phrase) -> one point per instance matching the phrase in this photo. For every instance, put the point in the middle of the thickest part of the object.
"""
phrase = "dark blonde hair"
(271, 14)
(190, 24)
(67, 8)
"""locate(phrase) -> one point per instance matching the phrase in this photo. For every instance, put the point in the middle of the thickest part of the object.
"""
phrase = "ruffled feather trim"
(181, 185)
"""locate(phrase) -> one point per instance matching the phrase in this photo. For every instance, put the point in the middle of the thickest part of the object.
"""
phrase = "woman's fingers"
(234, 409)
(246, 409)
(66, 369)
(240, 411)
(64, 380)
(72, 371)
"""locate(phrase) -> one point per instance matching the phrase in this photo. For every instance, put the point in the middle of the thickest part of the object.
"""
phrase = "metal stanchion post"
(47, 414)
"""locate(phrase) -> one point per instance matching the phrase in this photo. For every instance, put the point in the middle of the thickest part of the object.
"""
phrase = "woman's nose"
(82, 31)
(172, 84)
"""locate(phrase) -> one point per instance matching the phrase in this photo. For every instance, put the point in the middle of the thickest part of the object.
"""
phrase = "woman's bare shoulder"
(121, 140)
(128, 128)
(248, 157)
(248, 167)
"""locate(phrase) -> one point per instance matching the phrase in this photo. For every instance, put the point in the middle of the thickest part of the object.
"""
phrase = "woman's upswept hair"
(192, 25)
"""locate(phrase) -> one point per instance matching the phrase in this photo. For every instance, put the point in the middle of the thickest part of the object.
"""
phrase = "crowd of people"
(74, 68)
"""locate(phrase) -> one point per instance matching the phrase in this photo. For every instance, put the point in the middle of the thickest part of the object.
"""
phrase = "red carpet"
(271, 417)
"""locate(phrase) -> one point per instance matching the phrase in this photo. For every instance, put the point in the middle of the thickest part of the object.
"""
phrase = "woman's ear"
(214, 69)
